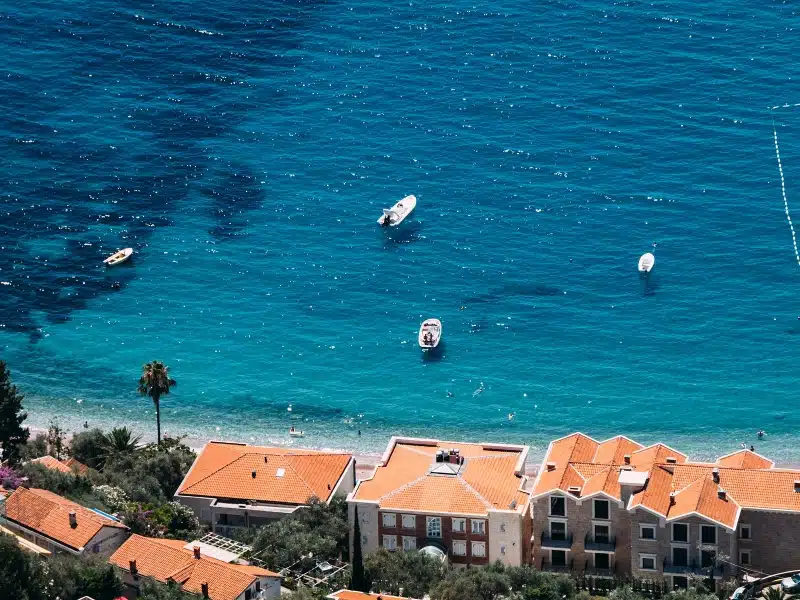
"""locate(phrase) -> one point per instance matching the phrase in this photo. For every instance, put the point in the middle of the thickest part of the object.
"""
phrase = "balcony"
(558, 542)
(547, 566)
(600, 543)
(693, 568)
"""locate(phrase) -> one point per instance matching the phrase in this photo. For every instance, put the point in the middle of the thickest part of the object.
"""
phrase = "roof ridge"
(96, 518)
(480, 497)
(301, 478)
(403, 487)
(226, 465)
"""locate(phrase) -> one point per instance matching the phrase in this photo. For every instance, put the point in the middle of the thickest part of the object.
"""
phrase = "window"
(502, 549)
(602, 560)
(680, 557)
(558, 530)
(409, 543)
(647, 562)
(707, 558)
(258, 586)
(680, 532)
(389, 520)
(601, 509)
(390, 542)
(708, 534)
(479, 549)
(459, 525)
(680, 583)
(96, 548)
(744, 558)
(647, 532)
(744, 532)
(558, 506)
(459, 548)
(409, 521)
(248, 594)
(434, 527)
(478, 527)
(602, 533)
(558, 558)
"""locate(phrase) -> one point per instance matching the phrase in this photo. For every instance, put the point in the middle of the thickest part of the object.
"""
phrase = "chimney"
(254, 474)
(715, 474)
(73, 519)
(671, 460)
(551, 466)
(627, 459)
(134, 570)
(265, 459)
(204, 589)
(721, 494)
(672, 498)
(797, 485)
(196, 550)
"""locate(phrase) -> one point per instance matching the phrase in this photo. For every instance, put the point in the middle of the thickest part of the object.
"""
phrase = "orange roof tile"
(48, 514)
(166, 560)
(745, 459)
(76, 465)
(351, 595)
(487, 480)
(283, 475)
(52, 463)
(613, 451)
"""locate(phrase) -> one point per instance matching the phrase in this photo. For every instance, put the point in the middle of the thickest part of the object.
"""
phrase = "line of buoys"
(783, 192)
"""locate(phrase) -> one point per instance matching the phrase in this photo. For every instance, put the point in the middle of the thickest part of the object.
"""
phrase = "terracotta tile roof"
(76, 465)
(166, 560)
(745, 459)
(52, 463)
(351, 595)
(283, 475)
(655, 454)
(48, 514)
(488, 479)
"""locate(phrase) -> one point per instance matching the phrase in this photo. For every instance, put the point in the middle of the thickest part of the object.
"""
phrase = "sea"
(244, 149)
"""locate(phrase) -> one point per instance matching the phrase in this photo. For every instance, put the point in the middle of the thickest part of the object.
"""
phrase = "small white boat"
(119, 257)
(296, 433)
(430, 333)
(392, 217)
(647, 262)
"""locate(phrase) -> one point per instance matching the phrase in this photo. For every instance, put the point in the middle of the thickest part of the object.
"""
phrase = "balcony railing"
(566, 568)
(693, 568)
(603, 543)
(558, 542)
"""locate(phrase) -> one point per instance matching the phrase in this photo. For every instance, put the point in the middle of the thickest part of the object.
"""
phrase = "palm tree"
(120, 440)
(155, 382)
(777, 594)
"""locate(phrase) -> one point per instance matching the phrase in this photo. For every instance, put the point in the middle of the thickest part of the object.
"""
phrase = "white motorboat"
(430, 333)
(119, 257)
(392, 217)
(647, 262)
(296, 433)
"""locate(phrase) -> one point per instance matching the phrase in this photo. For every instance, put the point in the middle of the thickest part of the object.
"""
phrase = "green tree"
(156, 382)
(12, 433)
(358, 580)
(153, 590)
(33, 448)
(21, 575)
(75, 577)
(306, 593)
(56, 439)
(413, 572)
(89, 447)
(777, 593)
(625, 592)
(120, 441)
(690, 594)
(176, 521)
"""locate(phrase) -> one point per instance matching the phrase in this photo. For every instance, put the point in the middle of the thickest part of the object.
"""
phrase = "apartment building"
(465, 502)
(618, 508)
(235, 486)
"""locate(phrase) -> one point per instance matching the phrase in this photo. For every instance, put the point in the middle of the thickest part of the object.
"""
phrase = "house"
(351, 595)
(619, 509)
(60, 525)
(235, 486)
(69, 466)
(466, 502)
(187, 565)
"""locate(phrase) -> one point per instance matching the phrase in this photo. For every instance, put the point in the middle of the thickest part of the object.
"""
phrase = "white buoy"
(646, 262)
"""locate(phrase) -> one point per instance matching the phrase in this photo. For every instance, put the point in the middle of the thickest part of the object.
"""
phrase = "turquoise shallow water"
(245, 149)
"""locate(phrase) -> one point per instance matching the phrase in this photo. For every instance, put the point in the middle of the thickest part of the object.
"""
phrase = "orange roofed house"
(617, 508)
(234, 486)
(188, 565)
(60, 525)
(70, 465)
(463, 501)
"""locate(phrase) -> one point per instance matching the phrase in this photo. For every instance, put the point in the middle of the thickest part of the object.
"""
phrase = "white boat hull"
(119, 257)
(430, 334)
(398, 212)
(646, 263)
(297, 434)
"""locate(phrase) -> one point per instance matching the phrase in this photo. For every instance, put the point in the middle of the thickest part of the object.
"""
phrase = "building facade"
(620, 509)
(465, 502)
(234, 486)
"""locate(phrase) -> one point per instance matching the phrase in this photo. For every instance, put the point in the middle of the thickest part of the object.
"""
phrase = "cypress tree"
(12, 434)
(358, 582)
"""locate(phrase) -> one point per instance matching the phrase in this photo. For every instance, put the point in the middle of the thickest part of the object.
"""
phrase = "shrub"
(89, 448)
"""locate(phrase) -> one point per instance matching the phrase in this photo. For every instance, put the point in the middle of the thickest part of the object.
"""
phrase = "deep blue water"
(245, 150)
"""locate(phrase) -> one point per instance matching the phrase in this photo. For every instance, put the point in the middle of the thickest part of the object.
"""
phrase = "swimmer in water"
(479, 390)
(510, 416)
(449, 394)
(761, 433)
